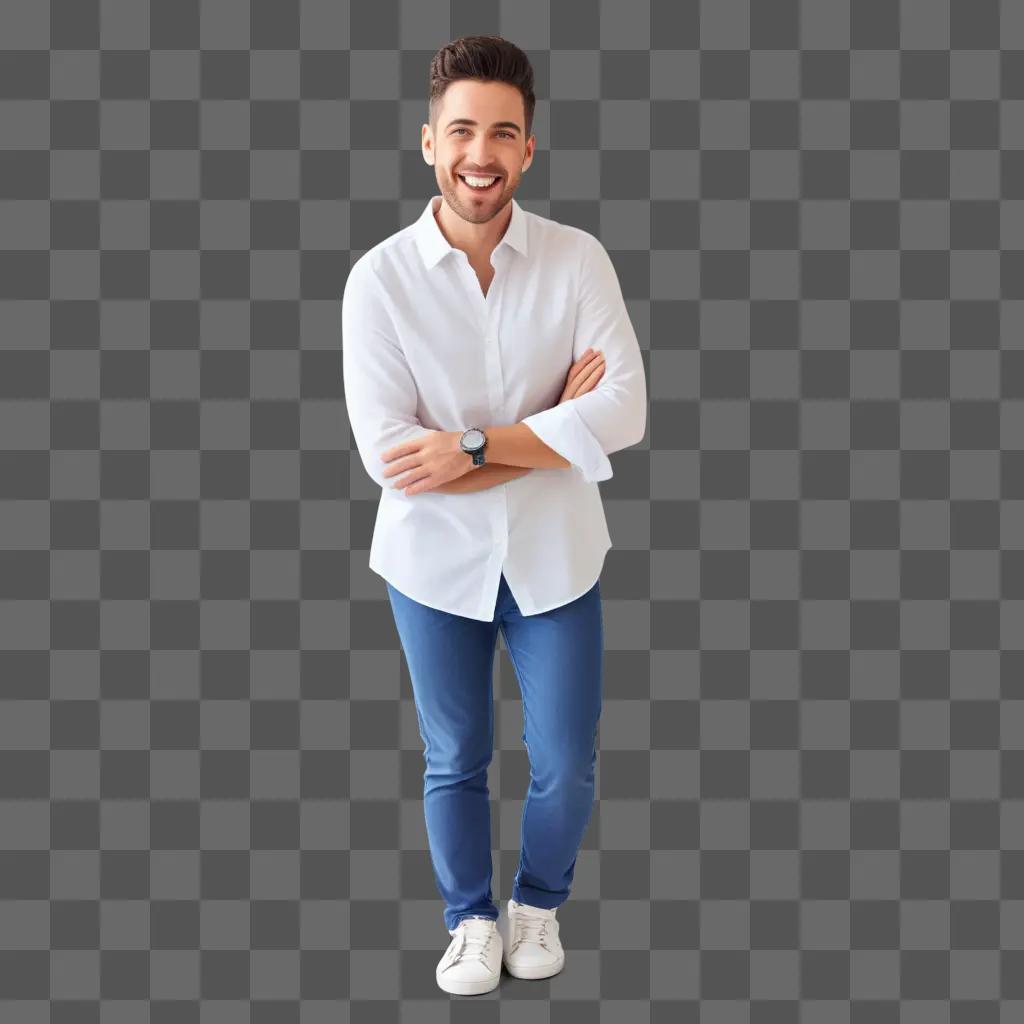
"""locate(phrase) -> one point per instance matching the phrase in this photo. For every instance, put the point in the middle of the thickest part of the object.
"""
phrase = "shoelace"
(530, 928)
(473, 943)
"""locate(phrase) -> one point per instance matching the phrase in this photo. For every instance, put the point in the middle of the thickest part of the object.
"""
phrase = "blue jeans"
(557, 656)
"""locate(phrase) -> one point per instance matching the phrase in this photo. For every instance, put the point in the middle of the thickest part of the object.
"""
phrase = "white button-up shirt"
(425, 349)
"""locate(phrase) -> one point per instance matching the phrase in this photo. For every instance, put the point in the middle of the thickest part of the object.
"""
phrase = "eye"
(506, 134)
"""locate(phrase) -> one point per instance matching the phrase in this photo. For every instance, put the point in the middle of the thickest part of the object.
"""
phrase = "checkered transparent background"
(810, 798)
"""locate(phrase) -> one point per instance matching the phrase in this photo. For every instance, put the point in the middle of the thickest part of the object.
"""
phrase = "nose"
(479, 157)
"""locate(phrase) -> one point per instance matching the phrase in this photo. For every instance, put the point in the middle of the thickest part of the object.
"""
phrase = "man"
(490, 369)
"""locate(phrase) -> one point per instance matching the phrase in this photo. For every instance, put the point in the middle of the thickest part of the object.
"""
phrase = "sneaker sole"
(535, 973)
(467, 988)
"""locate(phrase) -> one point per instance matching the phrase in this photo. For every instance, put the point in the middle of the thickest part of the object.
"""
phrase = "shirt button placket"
(495, 398)
(496, 395)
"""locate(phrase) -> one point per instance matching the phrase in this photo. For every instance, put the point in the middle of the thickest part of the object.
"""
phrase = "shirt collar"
(434, 246)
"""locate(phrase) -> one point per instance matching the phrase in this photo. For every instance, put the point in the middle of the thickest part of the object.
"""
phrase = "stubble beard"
(478, 212)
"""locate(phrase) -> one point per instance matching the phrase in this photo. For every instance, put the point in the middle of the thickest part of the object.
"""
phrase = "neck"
(477, 241)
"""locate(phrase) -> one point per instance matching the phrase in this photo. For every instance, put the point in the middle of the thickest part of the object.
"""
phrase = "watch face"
(473, 439)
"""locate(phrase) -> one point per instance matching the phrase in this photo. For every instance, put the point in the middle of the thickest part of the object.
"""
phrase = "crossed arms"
(578, 433)
(518, 442)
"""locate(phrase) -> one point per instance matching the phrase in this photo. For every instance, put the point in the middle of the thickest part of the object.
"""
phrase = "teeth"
(478, 182)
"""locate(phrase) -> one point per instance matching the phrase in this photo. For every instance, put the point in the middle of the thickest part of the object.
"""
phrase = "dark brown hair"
(486, 58)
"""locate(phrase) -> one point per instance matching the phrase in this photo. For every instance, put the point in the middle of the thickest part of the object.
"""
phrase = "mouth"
(493, 187)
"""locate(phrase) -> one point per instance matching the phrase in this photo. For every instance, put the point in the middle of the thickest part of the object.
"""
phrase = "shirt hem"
(575, 597)
(536, 611)
(428, 604)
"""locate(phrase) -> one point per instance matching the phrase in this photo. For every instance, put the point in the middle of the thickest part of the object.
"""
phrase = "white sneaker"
(532, 948)
(472, 963)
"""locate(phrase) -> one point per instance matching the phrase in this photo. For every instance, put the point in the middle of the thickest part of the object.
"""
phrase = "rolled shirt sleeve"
(585, 430)
(380, 392)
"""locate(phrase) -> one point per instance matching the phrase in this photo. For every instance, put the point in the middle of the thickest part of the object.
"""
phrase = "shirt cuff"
(562, 429)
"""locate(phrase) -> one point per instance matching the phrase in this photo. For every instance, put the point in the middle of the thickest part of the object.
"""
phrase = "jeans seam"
(526, 801)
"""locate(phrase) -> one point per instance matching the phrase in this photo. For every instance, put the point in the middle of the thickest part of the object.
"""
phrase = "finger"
(581, 375)
(591, 376)
(581, 362)
(402, 465)
(577, 371)
(405, 448)
(424, 483)
(408, 475)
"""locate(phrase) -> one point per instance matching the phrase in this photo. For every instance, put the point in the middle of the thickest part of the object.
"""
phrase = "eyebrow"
(497, 124)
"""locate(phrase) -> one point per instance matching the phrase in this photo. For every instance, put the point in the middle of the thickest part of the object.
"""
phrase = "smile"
(473, 188)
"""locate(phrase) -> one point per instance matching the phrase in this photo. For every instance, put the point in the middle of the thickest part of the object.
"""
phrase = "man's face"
(487, 149)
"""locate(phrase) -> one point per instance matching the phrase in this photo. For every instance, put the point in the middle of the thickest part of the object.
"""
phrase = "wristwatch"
(473, 442)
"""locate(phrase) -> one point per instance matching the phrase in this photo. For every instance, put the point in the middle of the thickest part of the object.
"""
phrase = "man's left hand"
(428, 461)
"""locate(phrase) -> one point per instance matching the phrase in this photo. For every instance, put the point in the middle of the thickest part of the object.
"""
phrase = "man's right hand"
(583, 375)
